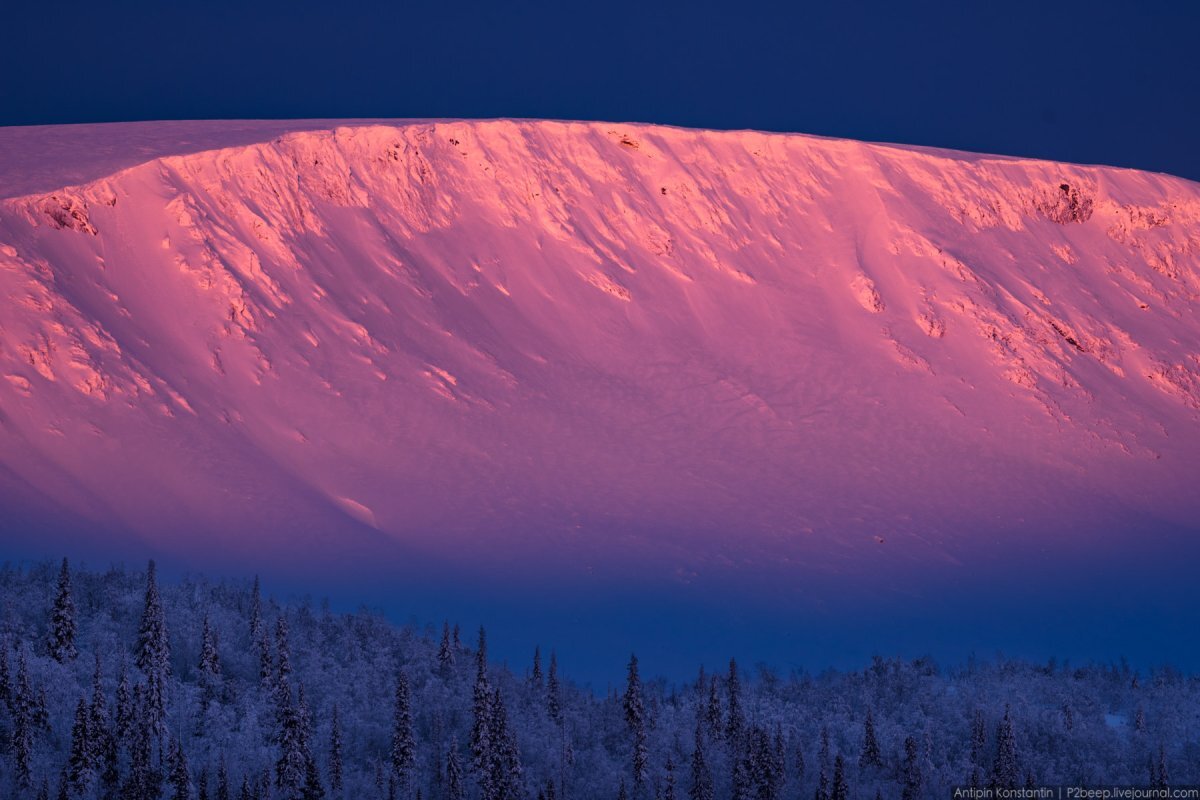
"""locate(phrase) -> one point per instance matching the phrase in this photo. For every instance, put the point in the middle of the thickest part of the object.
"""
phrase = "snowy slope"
(603, 344)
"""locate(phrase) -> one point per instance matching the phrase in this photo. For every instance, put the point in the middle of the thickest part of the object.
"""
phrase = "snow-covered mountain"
(608, 346)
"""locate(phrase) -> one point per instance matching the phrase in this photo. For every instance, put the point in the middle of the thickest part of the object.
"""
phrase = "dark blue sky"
(1103, 82)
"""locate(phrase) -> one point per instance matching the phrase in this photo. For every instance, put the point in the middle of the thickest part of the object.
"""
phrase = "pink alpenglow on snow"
(620, 350)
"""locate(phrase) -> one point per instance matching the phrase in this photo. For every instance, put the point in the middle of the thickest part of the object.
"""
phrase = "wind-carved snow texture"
(714, 348)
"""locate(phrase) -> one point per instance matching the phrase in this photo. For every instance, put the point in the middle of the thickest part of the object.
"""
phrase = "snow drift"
(619, 346)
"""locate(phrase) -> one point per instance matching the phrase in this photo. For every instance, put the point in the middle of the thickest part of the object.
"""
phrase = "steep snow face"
(614, 347)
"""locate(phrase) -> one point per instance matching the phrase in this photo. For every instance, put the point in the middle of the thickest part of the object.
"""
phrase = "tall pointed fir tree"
(223, 787)
(24, 723)
(283, 662)
(454, 783)
(313, 789)
(202, 786)
(822, 790)
(823, 766)
(6, 687)
(143, 780)
(288, 718)
(1160, 777)
(535, 671)
(98, 728)
(180, 776)
(256, 618)
(735, 722)
(714, 716)
(870, 756)
(841, 790)
(403, 754)
(505, 754)
(335, 753)
(481, 739)
(62, 619)
(635, 720)
(1006, 772)
(79, 762)
(110, 768)
(266, 661)
(124, 706)
(154, 650)
(553, 690)
(911, 777)
(978, 740)
(700, 786)
(292, 763)
(669, 788)
(445, 655)
(798, 764)
(209, 666)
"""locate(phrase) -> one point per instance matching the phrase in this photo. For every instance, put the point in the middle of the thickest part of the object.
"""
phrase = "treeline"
(114, 687)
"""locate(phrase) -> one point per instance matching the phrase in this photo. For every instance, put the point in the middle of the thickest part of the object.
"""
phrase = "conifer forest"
(115, 684)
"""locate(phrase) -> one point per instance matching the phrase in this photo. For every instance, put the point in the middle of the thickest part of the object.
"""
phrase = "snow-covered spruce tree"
(256, 617)
(125, 708)
(224, 789)
(283, 650)
(266, 662)
(1160, 778)
(701, 785)
(209, 666)
(292, 763)
(911, 778)
(24, 723)
(481, 726)
(823, 765)
(98, 727)
(1006, 772)
(143, 779)
(553, 690)
(154, 650)
(506, 758)
(336, 766)
(822, 791)
(6, 686)
(403, 752)
(454, 783)
(978, 740)
(635, 720)
(445, 654)
(798, 764)
(870, 755)
(110, 772)
(535, 672)
(313, 788)
(736, 721)
(669, 786)
(714, 716)
(62, 619)
(79, 763)
(841, 790)
(180, 777)
(779, 756)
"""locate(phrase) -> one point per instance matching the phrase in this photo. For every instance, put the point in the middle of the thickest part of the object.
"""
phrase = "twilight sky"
(1098, 82)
